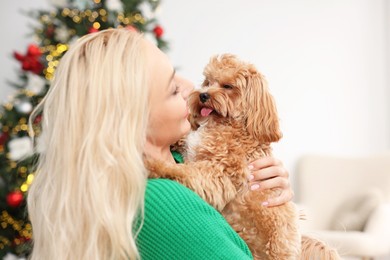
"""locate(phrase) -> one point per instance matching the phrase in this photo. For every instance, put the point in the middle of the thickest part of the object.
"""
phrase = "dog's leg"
(278, 226)
(317, 250)
(280, 229)
(271, 233)
(208, 181)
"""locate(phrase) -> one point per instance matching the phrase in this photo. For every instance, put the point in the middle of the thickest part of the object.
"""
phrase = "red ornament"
(30, 61)
(37, 119)
(34, 51)
(92, 30)
(3, 137)
(14, 198)
(158, 31)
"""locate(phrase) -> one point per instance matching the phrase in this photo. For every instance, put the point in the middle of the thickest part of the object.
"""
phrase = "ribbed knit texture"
(178, 224)
(177, 156)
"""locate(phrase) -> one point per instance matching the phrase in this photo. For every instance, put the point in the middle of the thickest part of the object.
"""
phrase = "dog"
(234, 121)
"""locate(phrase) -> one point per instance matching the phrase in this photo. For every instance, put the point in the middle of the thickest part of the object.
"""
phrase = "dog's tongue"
(205, 111)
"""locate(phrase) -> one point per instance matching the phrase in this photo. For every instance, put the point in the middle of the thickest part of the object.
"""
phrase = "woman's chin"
(187, 127)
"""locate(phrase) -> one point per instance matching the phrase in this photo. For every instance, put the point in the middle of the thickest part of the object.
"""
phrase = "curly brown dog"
(236, 121)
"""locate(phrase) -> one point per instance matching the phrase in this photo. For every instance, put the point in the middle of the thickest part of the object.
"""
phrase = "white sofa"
(347, 203)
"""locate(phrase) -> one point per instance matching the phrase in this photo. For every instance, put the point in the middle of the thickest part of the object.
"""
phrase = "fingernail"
(250, 167)
(255, 186)
(264, 204)
(251, 177)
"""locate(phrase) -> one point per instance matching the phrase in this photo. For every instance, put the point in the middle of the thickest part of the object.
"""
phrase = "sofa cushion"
(353, 213)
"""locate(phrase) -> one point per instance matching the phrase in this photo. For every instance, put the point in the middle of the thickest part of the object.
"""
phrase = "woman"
(116, 97)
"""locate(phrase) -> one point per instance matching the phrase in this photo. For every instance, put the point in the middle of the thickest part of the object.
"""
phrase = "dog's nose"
(204, 97)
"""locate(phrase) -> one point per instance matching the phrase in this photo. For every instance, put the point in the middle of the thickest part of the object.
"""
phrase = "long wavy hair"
(89, 185)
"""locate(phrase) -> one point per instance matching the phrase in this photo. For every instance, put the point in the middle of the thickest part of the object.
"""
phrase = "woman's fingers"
(265, 162)
(284, 197)
(269, 173)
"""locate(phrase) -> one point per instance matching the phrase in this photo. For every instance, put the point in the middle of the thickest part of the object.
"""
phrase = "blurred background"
(327, 63)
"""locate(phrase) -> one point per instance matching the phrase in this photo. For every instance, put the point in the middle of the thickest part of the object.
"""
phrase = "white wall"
(327, 62)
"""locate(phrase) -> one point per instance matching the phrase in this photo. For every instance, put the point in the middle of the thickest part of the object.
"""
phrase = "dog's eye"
(226, 86)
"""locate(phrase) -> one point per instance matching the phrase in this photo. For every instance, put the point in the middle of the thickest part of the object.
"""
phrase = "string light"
(50, 70)
(24, 187)
(54, 54)
(62, 48)
(102, 12)
(49, 57)
(24, 127)
(120, 17)
(74, 12)
(23, 120)
(16, 129)
(30, 178)
(95, 14)
(126, 21)
(96, 25)
(65, 12)
(137, 17)
(16, 226)
(76, 19)
(45, 18)
(24, 229)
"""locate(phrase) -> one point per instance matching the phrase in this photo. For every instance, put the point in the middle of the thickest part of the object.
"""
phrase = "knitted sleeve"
(178, 224)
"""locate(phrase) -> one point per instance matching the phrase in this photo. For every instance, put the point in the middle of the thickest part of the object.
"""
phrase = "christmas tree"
(56, 30)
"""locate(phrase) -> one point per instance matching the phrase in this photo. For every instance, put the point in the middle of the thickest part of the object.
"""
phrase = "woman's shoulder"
(176, 199)
(165, 190)
(161, 186)
(179, 224)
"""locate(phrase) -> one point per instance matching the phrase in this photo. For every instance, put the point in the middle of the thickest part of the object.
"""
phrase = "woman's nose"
(188, 87)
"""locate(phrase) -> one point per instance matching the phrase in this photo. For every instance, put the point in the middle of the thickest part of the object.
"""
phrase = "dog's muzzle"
(204, 97)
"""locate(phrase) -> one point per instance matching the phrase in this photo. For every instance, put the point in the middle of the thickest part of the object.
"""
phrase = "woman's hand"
(268, 173)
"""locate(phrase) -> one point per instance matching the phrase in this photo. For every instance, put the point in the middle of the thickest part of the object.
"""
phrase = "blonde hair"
(90, 181)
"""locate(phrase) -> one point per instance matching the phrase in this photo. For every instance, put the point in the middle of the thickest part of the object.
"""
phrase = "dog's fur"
(242, 124)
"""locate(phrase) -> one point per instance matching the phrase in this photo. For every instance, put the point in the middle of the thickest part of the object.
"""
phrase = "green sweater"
(178, 224)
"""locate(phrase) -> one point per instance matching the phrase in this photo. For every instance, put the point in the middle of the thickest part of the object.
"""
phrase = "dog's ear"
(262, 117)
(193, 121)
